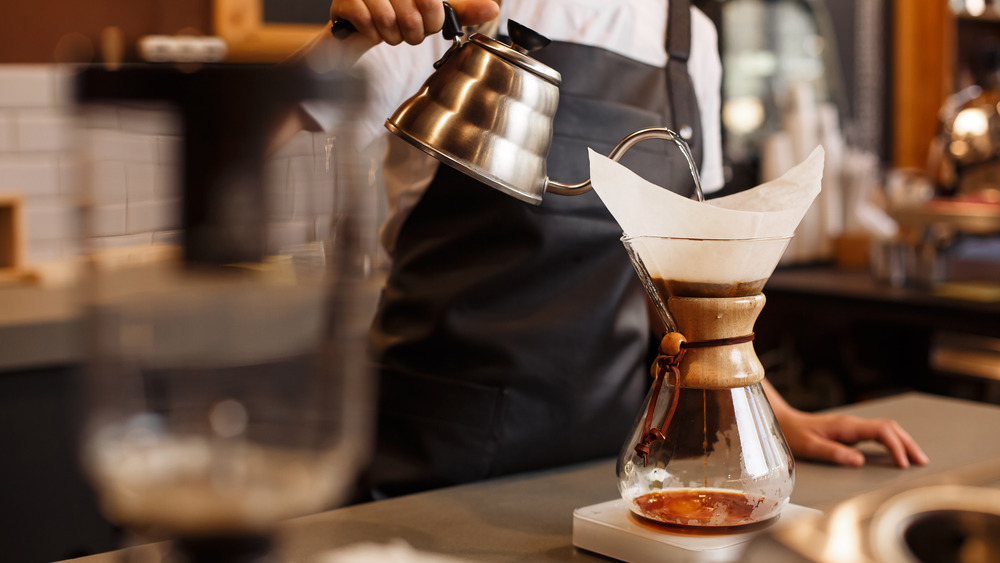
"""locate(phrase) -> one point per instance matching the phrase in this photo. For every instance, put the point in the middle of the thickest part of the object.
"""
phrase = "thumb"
(475, 12)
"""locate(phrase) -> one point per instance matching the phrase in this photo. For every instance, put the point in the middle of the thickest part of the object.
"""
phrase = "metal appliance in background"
(955, 228)
(487, 111)
(950, 221)
(965, 155)
(226, 385)
(951, 518)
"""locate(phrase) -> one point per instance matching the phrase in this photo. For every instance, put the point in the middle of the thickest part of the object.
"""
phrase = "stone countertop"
(529, 517)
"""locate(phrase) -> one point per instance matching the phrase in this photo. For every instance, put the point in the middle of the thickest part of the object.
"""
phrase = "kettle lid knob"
(525, 40)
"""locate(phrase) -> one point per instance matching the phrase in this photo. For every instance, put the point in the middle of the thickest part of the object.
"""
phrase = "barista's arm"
(827, 437)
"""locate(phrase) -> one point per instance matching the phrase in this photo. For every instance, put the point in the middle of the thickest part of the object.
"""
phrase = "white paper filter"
(710, 260)
(769, 211)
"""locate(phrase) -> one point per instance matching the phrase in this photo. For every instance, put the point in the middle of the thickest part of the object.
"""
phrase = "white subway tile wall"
(36, 173)
(6, 132)
(133, 175)
(28, 86)
(35, 141)
(107, 220)
(41, 131)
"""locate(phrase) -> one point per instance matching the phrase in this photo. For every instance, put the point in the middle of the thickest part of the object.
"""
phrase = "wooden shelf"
(988, 16)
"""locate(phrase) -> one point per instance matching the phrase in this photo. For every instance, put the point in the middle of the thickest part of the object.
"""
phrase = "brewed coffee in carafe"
(706, 450)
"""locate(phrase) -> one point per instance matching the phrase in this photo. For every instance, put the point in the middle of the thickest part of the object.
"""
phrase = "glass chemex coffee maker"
(706, 450)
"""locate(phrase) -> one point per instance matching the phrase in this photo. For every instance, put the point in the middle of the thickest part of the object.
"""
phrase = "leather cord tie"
(673, 346)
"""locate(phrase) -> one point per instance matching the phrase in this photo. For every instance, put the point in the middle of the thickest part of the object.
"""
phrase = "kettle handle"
(341, 28)
(452, 28)
(620, 149)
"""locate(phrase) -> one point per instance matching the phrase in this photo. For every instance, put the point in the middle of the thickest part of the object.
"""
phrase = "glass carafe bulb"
(722, 461)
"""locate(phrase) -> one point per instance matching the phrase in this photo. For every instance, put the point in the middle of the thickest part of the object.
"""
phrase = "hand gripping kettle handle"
(351, 45)
(342, 29)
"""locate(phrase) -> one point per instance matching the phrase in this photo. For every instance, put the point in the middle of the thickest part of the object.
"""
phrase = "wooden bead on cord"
(670, 344)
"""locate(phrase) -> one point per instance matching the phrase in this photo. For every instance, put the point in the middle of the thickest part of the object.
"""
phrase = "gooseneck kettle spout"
(622, 147)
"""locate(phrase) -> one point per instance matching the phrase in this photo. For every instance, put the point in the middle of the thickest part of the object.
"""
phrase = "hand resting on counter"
(828, 437)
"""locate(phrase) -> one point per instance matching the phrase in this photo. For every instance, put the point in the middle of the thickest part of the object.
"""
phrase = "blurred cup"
(892, 260)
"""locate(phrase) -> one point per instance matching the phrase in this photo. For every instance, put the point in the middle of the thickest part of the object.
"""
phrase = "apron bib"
(511, 337)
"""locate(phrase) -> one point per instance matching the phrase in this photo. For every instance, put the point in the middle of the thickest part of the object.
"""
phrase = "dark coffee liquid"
(697, 508)
(679, 288)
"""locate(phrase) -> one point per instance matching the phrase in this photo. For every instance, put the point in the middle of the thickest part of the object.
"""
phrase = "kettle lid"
(517, 58)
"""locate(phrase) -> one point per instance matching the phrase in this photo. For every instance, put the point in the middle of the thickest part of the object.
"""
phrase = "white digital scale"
(610, 529)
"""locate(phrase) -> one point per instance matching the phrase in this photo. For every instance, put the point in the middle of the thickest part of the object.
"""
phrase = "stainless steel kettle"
(488, 110)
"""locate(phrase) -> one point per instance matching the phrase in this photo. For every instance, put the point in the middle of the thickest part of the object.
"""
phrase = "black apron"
(511, 337)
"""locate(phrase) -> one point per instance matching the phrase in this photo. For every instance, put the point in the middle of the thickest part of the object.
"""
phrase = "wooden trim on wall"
(11, 236)
(40, 31)
(923, 67)
(241, 24)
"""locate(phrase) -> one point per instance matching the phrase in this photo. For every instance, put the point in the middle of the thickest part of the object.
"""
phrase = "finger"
(916, 454)
(358, 13)
(338, 8)
(888, 434)
(475, 12)
(410, 20)
(385, 20)
(834, 452)
(432, 13)
(904, 448)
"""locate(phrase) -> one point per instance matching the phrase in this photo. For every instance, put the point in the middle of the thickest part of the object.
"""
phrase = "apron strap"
(683, 100)
(679, 30)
